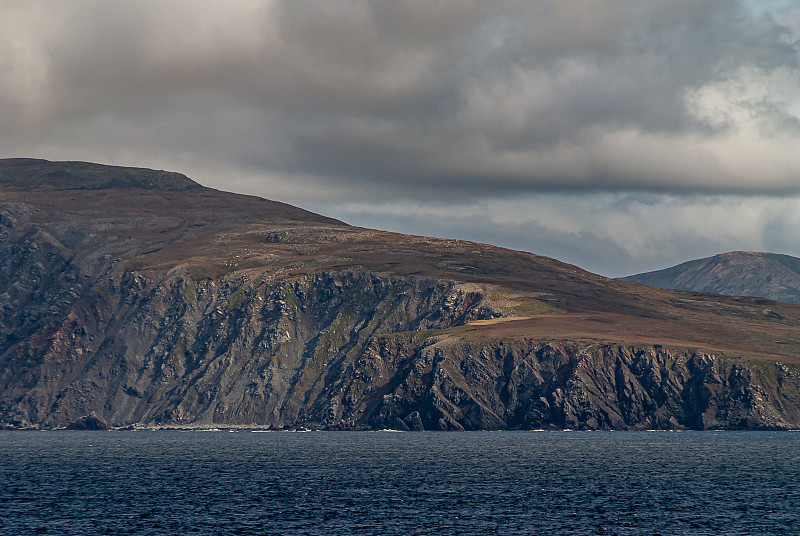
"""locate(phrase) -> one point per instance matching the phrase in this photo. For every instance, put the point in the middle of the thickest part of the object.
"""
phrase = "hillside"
(739, 273)
(34, 174)
(157, 302)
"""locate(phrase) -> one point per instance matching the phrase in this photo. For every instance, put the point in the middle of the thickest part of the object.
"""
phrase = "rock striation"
(535, 384)
(170, 305)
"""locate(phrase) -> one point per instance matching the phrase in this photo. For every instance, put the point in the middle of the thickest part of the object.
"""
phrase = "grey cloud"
(415, 96)
(611, 234)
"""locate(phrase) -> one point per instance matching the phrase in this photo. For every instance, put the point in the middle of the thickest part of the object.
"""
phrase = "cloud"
(614, 234)
(418, 96)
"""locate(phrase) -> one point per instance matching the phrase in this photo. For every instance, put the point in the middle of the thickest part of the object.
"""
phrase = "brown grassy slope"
(211, 233)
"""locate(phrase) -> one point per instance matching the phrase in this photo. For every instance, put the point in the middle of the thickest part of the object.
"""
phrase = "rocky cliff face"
(188, 307)
(535, 384)
(353, 350)
(85, 337)
(136, 349)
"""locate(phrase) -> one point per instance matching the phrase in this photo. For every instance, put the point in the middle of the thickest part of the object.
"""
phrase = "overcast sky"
(621, 136)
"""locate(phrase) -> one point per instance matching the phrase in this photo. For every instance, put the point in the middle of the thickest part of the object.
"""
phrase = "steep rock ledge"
(242, 349)
(534, 384)
(354, 350)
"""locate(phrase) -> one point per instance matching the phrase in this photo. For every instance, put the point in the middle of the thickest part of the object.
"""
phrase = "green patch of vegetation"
(134, 265)
(784, 376)
(189, 292)
(763, 367)
(358, 388)
(476, 345)
(478, 342)
(678, 355)
(334, 337)
(599, 358)
(235, 300)
(291, 297)
(363, 337)
(530, 307)
(104, 291)
(411, 336)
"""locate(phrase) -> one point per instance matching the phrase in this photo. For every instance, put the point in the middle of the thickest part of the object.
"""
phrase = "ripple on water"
(170, 482)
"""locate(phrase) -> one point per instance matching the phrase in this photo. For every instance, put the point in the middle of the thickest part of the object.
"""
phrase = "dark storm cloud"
(415, 98)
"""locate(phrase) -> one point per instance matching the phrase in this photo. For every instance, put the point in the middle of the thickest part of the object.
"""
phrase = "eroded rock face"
(241, 349)
(133, 298)
(339, 350)
(532, 384)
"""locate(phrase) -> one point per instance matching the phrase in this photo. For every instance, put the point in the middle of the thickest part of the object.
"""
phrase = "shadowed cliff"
(138, 298)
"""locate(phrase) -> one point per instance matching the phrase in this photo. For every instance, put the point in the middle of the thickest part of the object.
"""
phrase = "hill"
(155, 303)
(34, 174)
(739, 273)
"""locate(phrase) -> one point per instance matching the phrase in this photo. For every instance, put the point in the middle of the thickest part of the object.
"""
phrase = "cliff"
(147, 306)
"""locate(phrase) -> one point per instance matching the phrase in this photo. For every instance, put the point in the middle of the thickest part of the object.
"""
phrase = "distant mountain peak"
(36, 174)
(736, 273)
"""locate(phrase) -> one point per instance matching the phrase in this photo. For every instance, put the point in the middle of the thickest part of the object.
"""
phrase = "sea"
(220, 482)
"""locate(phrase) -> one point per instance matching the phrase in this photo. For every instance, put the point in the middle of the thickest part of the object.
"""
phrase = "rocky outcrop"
(244, 349)
(136, 298)
(534, 384)
(349, 350)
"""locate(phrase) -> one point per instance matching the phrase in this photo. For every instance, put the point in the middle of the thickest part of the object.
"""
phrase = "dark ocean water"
(627, 483)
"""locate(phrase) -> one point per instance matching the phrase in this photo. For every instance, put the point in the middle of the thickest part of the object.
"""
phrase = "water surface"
(626, 483)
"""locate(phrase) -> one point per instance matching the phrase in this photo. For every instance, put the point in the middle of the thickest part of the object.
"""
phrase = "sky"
(621, 136)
